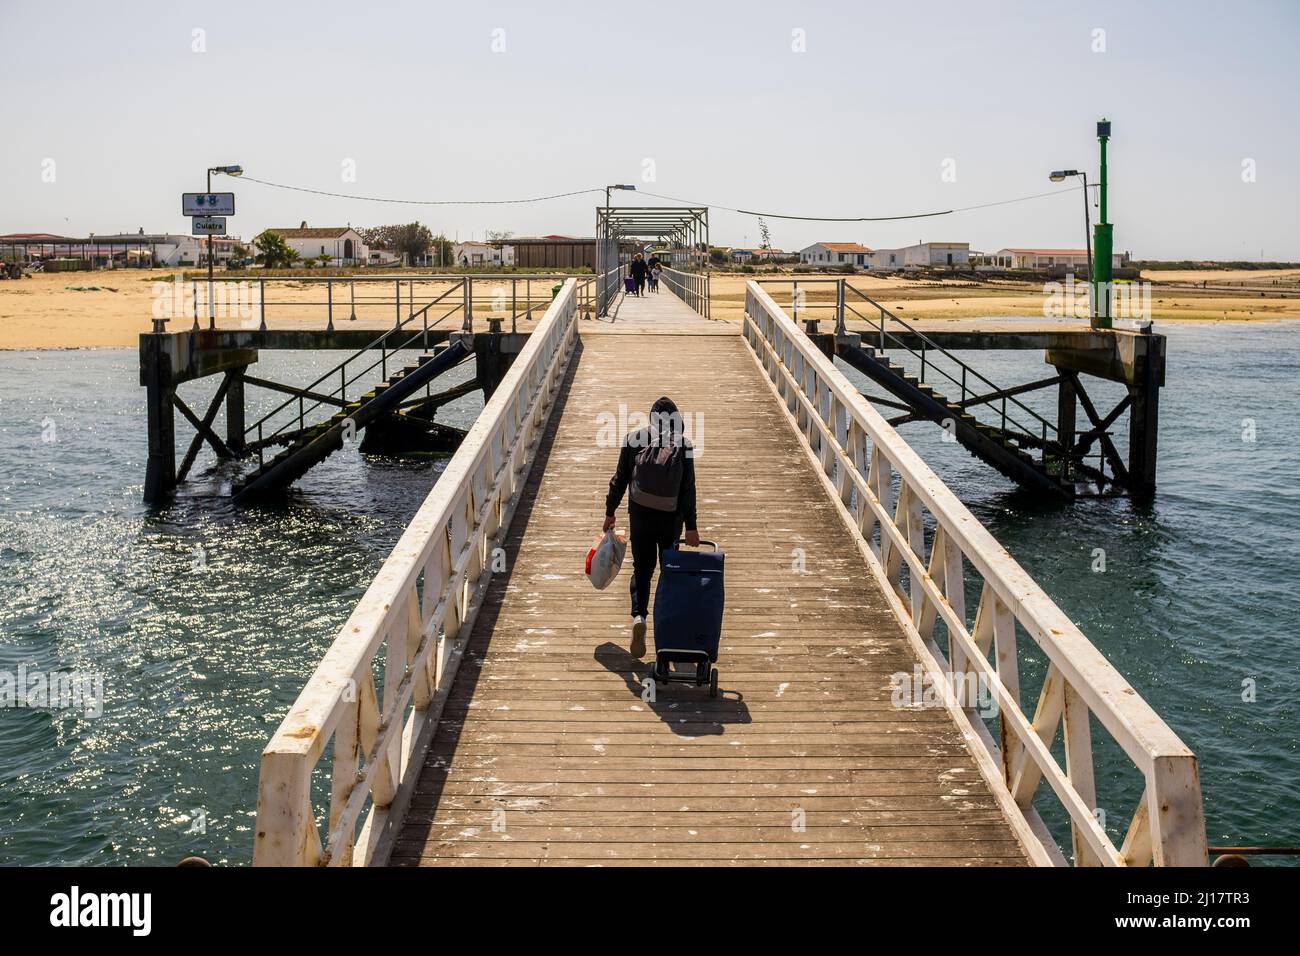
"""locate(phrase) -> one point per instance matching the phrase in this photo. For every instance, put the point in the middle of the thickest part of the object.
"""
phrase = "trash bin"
(555, 289)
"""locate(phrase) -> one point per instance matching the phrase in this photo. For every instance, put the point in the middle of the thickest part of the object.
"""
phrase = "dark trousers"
(640, 283)
(651, 532)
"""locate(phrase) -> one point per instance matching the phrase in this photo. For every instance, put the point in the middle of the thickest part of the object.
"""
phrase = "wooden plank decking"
(547, 754)
(657, 313)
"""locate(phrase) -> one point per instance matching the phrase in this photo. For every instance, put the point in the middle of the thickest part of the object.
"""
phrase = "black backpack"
(657, 476)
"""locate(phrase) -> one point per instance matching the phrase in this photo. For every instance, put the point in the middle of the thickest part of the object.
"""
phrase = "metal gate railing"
(691, 287)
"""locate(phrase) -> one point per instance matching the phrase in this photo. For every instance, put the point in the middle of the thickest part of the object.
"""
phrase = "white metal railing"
(413, 621)
(334, 302)
(859, 458)
(607, 285)
(691, 287)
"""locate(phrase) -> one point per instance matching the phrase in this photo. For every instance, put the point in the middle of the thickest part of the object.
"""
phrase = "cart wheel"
(713, 683)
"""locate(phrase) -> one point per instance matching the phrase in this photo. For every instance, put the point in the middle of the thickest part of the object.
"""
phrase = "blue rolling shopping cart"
(689, 601)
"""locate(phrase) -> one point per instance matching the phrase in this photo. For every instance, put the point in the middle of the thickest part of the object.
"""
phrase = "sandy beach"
(1223, 299)
(111, 308)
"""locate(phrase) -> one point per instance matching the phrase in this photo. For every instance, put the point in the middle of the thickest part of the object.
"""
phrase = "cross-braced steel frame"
(682, 232)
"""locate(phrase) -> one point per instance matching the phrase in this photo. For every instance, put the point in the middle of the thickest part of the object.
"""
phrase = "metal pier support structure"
(169, 360)
(1069, 453)
(1133, 359)
(399, 315)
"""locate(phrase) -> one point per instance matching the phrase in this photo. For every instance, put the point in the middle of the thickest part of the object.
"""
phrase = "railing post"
(286, 833)
(261, 303)
(839, 307)
(329, 304)
(397, 291)
(1176, 812)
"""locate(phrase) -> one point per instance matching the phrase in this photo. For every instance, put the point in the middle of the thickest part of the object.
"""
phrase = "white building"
(671, 257)
(830, 255)
(168, 249)
(342, 244)
(1044, 258)
(386, 257)
(473, 253)
(922, 255)
(750, 255)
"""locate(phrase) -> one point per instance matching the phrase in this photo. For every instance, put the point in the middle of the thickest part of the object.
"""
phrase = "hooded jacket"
(665, 429)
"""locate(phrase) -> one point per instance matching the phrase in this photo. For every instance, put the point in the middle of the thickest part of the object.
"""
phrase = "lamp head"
(1060, 175)
(229, 170)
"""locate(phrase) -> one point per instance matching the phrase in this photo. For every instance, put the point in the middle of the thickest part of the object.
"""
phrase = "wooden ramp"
(656, 313)
(547, 753)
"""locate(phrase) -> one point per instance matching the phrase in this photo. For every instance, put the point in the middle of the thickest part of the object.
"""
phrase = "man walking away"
(656, 463)
(639, 272)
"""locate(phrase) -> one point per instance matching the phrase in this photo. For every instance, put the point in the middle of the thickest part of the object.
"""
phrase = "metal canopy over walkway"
(479, 707)
(682, 232)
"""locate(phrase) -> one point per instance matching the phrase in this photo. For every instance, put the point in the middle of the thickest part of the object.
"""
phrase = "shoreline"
(1191, 320)
(111, 309)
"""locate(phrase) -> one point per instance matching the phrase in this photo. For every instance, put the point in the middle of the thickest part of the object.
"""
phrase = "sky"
(813, 108)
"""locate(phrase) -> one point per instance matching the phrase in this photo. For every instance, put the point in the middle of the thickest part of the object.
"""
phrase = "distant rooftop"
(518, 239)
(843, 246)
(1049, 252)
(325, 232)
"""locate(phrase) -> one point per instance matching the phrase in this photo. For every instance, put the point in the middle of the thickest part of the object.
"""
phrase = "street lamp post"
(1061, 175)
(229, 171)
(602, 293)
(1100, 237)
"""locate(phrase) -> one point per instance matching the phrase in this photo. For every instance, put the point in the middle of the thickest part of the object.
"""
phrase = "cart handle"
(711, 544)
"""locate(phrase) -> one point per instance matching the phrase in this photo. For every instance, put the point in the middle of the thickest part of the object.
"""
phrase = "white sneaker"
(638, 636)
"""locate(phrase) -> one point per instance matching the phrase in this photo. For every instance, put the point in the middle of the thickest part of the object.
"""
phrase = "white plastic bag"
(605, 558)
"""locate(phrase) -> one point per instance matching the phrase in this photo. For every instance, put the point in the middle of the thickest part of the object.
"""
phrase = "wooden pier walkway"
(546, 752)
(487, 712)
